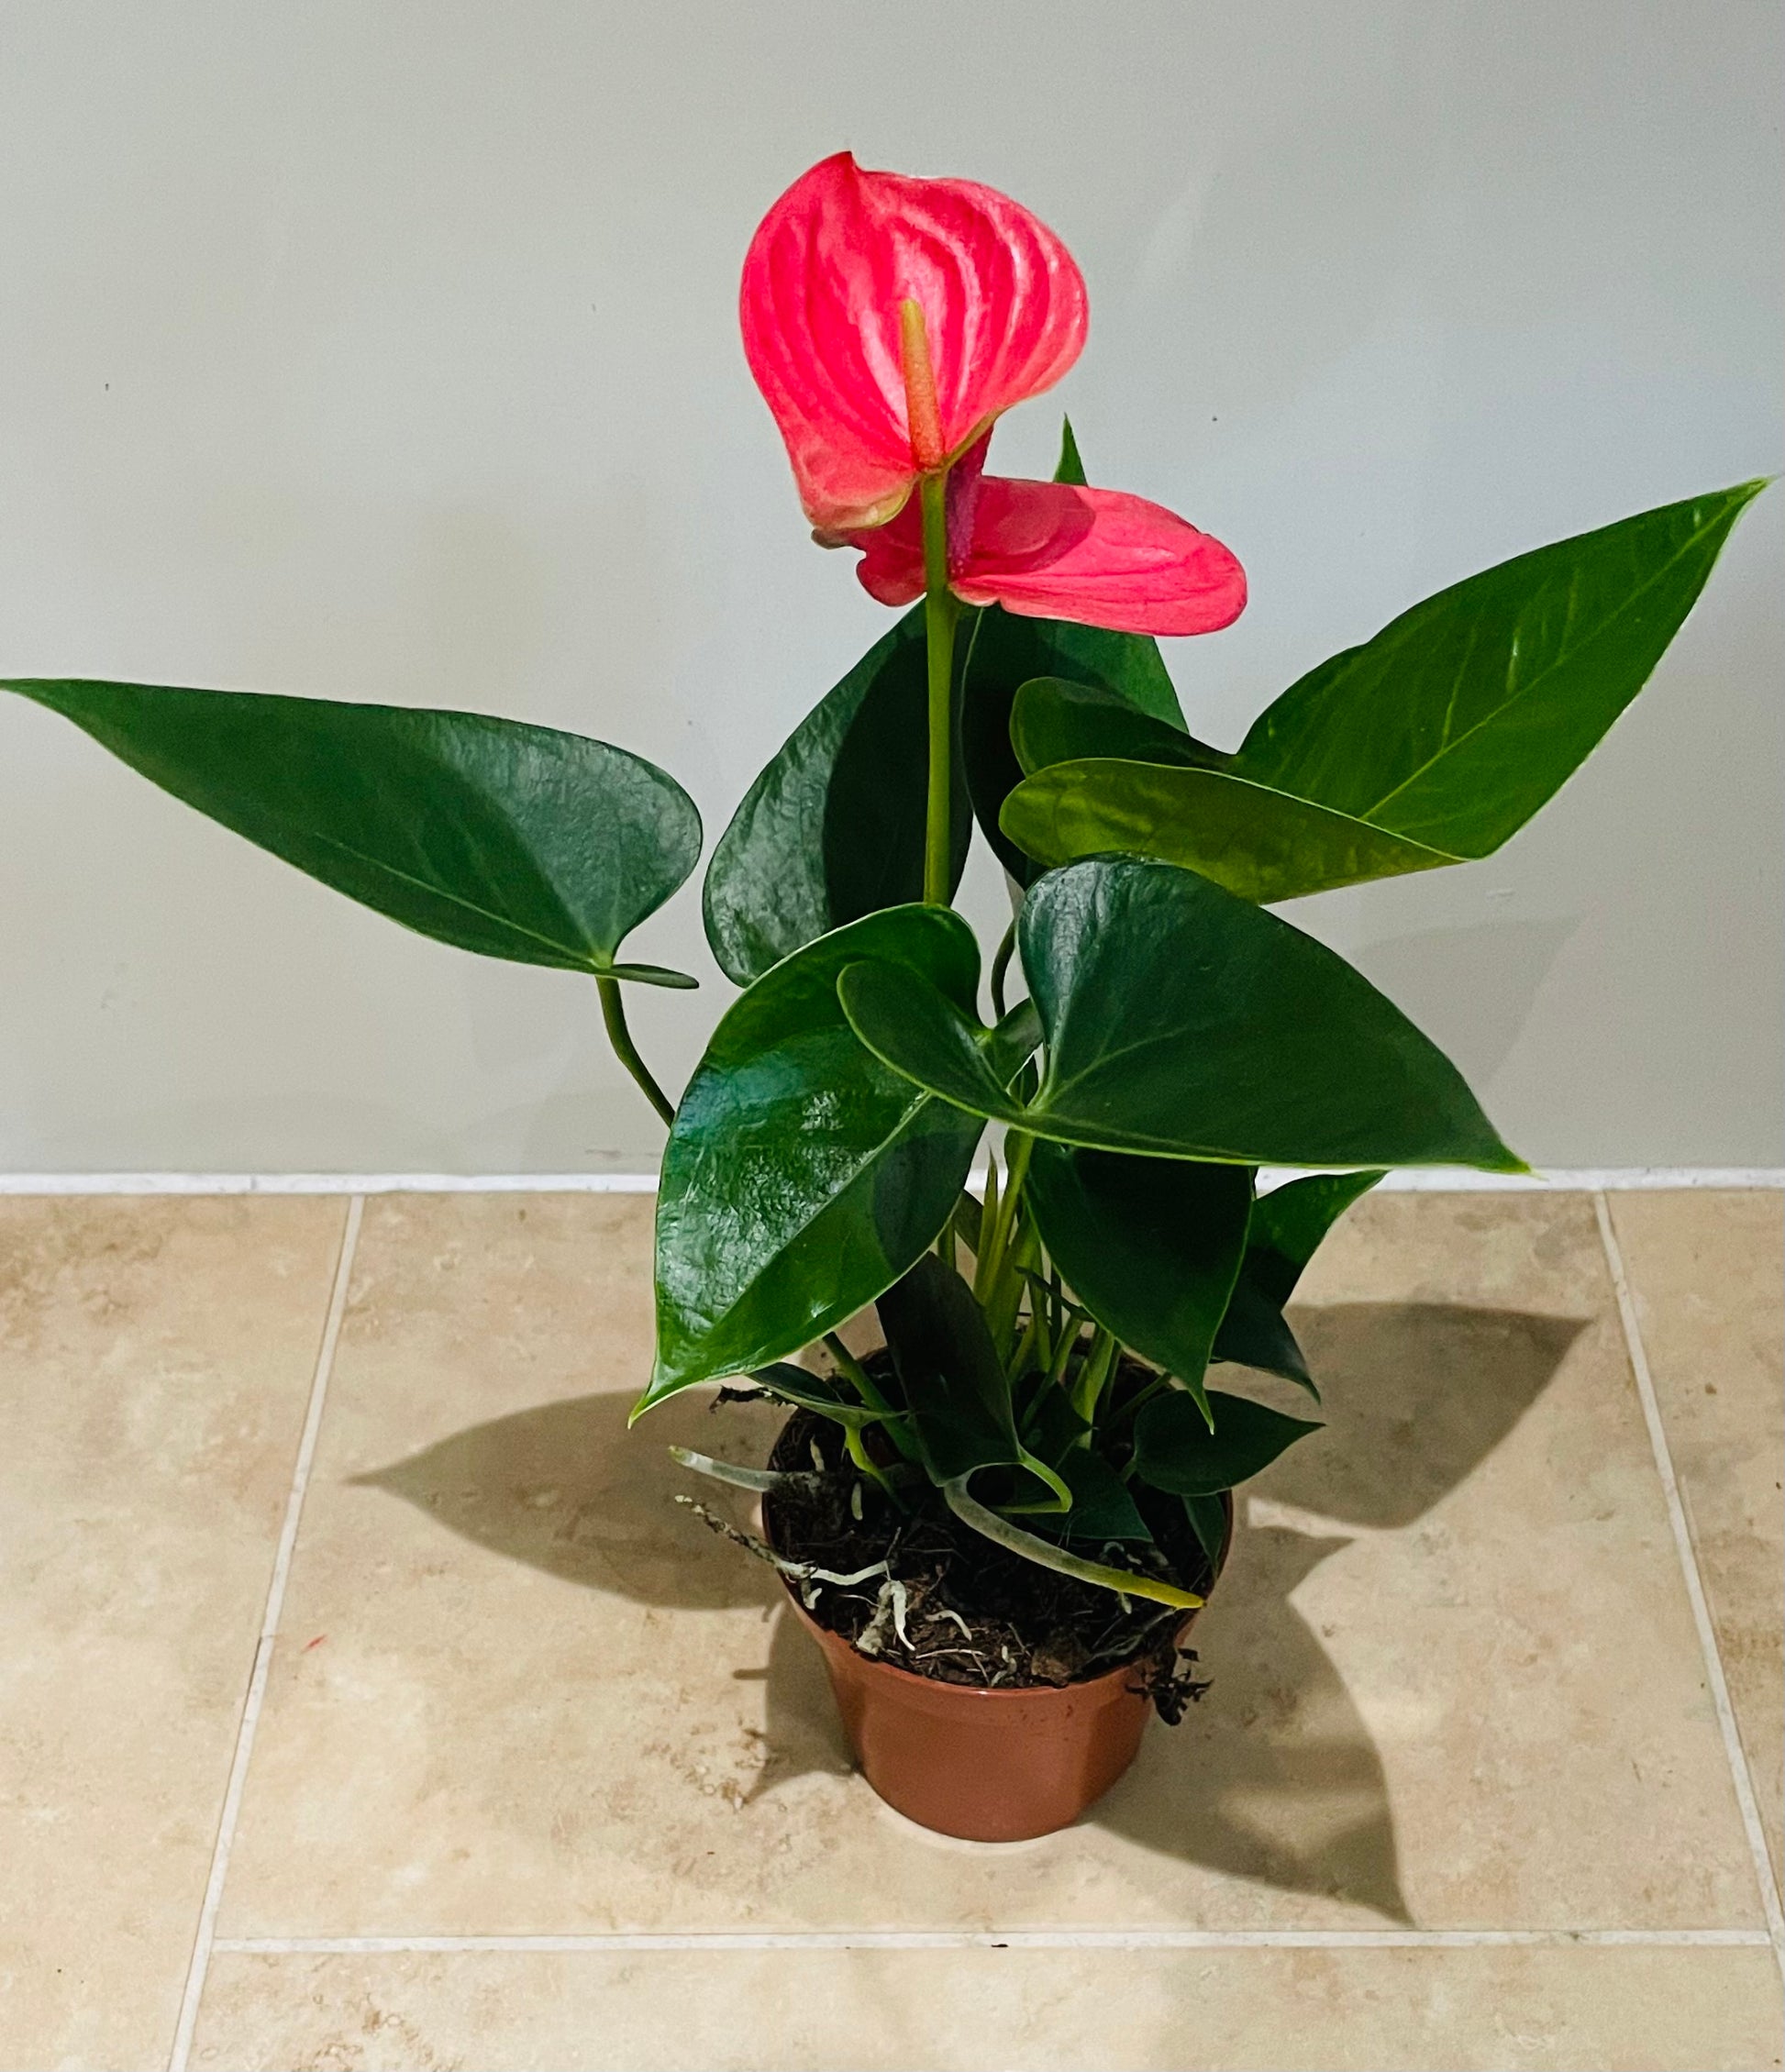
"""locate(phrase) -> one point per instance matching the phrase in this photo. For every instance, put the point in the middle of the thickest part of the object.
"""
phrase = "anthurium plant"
(1147, 1036)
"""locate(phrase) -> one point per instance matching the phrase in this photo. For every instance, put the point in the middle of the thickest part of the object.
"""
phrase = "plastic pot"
(988, 1766)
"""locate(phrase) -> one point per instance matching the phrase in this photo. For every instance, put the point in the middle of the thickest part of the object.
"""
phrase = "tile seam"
(1740, 1774)
(999, 1938)
(205, 1938)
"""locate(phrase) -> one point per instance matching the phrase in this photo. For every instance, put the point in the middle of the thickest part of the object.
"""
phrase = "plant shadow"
(1274, 1777)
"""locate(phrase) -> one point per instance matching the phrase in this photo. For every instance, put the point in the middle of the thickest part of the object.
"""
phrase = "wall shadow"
(1274, 1777)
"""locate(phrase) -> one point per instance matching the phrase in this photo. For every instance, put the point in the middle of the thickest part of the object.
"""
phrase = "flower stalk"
(940, 612)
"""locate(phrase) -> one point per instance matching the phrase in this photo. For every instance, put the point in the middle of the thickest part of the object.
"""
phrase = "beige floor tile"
(1454, 1678)
(155, 1361)
(1605, 2010)
(1705, 1271)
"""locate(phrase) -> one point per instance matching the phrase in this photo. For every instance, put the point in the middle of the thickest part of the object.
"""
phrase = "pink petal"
(891, 568)
(1004, 305)
(1049, 551)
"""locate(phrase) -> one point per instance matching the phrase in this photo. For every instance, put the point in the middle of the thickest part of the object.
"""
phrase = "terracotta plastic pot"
(988, 1766)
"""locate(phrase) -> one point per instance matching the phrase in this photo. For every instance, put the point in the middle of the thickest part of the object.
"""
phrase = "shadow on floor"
(1274, 1777)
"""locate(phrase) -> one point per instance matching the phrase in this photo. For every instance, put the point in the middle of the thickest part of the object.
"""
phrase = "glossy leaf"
(1176, 1451)
(833, 829)
(1458, 720)
(802, 1176)
(1053, 720)
(1261, 844)
(1150, 1247)
(1290, 1222)
(929, 1037)
(514, 841)
(954, 1382)
(1185, 1023)
(1287, 1226)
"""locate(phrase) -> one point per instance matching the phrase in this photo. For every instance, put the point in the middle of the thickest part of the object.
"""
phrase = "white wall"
(388, 350)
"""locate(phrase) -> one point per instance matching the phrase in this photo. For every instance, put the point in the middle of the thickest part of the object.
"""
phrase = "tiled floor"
(365, 1703)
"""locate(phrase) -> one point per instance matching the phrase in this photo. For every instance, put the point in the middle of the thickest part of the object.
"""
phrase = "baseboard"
(1445, 1180)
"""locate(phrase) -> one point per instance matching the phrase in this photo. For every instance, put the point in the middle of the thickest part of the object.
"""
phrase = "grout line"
(1740, 1773)
(1006, 1938)
(1583, 1180)
(205, 1940)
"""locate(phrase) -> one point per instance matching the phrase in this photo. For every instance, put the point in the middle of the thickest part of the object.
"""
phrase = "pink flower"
(889, 320)
(1050, 550)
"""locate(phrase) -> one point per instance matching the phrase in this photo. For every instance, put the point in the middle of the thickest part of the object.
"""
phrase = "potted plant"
(997, 1521)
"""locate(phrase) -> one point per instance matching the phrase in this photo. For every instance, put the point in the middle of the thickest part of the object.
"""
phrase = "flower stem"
(613, 1012)
(939, 615)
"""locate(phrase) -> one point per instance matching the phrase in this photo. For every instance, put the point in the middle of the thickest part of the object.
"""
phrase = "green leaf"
(954, 1382)
(1071, 469)
(1458, 720)
(1149, 1246)
(833, 829)
(514, 841)
(1287, 1227)
(1053, 721)
(1185, 1023)
(1208, 1521)
(816, 1393)
(1175, 1450)
(1102, 1506)
(1261, 844)
(1051, 1428)
(1290, 1223)
(1005, 650)
(802, 1176)
(925, 1034)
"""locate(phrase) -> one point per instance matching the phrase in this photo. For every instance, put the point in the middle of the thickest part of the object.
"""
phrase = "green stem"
(613, 1012)
(858, 1451)
(863, 1383)
(1126, 1414)
(1007, 1249)
(1094, 1375)
(999, 968)
(857, 1375)
(939, 614)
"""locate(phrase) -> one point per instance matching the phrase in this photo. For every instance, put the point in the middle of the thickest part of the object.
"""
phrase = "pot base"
(985, 1765)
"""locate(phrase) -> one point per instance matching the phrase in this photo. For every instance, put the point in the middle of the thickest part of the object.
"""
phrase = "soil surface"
(965, 1610)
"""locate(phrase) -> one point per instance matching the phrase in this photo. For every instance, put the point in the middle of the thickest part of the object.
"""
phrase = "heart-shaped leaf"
(1260, 843)
(801, 1176)
(1176, 1451)
(833, 829)
(1458, 720)
(514, 841)
(1185, 1023)
(1149, 1246)
(1053, 721)
(1287, 1227)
